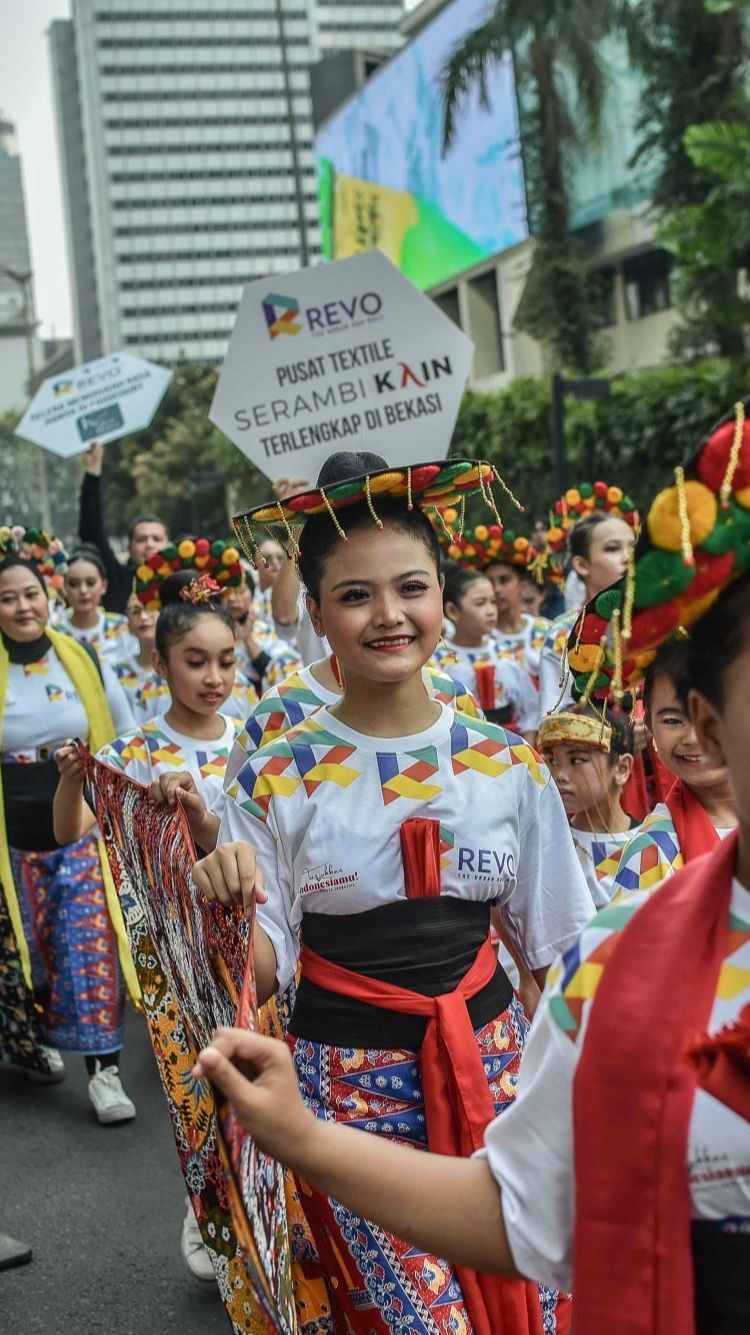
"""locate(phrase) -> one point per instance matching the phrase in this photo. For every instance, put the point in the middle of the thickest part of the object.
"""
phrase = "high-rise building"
(186, 140)
(17, 338)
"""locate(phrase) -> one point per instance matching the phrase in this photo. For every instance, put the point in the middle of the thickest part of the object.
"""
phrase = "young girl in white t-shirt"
(590, 759)
(195, 654)
(503, 688)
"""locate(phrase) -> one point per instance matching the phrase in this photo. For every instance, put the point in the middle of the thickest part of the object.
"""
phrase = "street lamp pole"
(23, 281)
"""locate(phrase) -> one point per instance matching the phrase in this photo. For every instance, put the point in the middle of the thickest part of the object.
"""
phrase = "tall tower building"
(18, 344)
(186, 140)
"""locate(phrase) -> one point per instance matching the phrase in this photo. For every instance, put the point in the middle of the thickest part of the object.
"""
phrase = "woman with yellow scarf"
(60, 923)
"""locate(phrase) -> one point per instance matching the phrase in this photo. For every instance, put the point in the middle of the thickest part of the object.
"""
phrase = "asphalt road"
(102, 1208)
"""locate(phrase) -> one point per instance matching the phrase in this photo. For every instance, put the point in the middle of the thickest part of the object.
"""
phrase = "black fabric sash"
(424, 945)
(721, 1265)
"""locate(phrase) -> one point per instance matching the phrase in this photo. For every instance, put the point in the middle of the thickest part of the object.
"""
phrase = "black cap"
(347, 464)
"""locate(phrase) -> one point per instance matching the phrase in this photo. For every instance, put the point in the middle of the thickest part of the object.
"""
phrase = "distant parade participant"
(147, 533)
(137, 669)
(590, 756)
(264, 658)
(386, 825)
(520, 635)
(85, 618)
(502, 686)
(698, 809)
(596, 556)
(271, 558)
(58, 943)
(195, 653)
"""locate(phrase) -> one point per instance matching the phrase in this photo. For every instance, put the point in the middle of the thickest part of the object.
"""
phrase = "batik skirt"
(75, 970)
(19, 1031)
(389, 1287)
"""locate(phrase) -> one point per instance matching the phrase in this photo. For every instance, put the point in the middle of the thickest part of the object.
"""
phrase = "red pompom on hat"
(713, 460)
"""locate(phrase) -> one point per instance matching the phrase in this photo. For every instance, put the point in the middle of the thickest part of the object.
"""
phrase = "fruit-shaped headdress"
(41, 549)
(219, 559)
(695, 540)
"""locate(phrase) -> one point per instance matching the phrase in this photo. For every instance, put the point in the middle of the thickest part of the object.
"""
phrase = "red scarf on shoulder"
(693, 826)
(633, 1098)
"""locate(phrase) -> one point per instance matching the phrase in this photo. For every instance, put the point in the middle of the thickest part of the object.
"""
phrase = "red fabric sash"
(484, 676)
(458, 1107)
(693, 826)
(633, 1097)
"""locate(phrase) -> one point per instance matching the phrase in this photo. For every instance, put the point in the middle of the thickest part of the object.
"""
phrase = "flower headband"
(40, 549)
(219, 560)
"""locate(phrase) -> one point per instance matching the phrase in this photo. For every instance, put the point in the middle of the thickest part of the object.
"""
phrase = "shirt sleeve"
(529, 1149)
(122, 714)
(238, 824)
(645, 863)
(91, 529)
(551, 903)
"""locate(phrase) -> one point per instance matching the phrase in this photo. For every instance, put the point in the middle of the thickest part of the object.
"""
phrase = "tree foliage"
(182, 467)
(693, 56)
(651, 421)
(555, 46)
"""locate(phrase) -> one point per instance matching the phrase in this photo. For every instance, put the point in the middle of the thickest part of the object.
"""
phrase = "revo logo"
(282, 313)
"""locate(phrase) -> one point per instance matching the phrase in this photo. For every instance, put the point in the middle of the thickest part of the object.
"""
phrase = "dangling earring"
(337, 673)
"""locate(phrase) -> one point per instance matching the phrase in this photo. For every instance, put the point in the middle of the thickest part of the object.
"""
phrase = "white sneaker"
(111, 1103)
(193, 1250)
(55, 1071)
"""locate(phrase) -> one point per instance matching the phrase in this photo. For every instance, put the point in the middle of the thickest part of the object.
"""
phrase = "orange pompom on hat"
(695, 540)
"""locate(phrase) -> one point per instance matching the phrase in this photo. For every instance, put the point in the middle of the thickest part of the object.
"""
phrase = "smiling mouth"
(391, 644)
(693, 759)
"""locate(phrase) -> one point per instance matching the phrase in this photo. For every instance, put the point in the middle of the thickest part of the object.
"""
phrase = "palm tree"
(561, 84)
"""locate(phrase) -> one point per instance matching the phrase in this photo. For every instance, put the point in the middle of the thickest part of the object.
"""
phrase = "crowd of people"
(446, 814)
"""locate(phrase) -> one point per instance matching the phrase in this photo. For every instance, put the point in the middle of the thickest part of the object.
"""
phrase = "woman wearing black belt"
(57, 943)
(386, 826)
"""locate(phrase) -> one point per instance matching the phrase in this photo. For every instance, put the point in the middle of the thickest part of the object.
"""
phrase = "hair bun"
(346, 464)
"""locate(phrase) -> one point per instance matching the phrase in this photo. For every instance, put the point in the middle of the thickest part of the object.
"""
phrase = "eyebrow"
(670, 709)
(370, 583)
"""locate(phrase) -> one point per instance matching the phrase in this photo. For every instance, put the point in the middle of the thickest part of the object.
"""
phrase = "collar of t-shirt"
(432, 736)
(188, 743)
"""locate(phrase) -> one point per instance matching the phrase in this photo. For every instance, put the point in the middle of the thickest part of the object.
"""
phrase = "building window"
(605, 279)
(484, 324)
(646, 279)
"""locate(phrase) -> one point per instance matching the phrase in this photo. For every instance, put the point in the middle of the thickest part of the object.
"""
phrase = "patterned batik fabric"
(190, 958)
(390, 1287)
(74, 965)
(19, 1033)
(650, 856)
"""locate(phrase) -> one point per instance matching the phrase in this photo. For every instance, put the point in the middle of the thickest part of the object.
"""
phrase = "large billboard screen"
(384, 180)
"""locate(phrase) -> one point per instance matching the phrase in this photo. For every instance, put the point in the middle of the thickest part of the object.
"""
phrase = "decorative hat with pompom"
(577, 502)
(218, 559)
(41, 549)
(484, 544)
(351, 477)
(694, 542)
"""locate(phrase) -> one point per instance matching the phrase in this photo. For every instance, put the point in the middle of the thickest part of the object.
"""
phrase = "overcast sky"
(26, 98)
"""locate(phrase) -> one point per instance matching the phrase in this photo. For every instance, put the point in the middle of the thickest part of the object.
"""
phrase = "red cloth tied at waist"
(458, 1107)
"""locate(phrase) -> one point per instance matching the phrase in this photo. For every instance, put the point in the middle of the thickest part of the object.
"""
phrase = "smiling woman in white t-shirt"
(386, 826)
(623, 1167)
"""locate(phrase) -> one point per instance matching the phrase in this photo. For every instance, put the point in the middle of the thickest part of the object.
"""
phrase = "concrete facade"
(483, 302)
(179, 161)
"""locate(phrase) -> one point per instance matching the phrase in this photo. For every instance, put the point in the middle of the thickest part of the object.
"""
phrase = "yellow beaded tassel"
(685, 542)
(734, 454)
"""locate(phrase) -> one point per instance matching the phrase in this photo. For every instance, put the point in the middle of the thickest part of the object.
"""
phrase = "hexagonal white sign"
(345, 356)
(101, 400)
